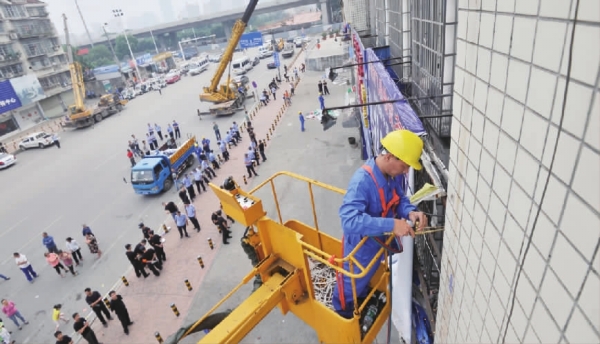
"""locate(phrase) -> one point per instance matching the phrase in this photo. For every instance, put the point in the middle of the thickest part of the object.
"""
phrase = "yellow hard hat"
(404, 145)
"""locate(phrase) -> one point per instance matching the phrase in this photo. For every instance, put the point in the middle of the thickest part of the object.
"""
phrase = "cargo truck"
(155, 173)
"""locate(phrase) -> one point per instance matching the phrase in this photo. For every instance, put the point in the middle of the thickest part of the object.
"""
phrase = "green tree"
(145, 45)
(97, 56)
(121, 48)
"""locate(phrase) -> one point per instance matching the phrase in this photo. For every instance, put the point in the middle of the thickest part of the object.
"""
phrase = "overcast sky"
(96, 12)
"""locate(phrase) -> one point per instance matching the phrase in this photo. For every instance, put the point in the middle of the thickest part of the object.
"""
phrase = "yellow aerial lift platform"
(284, 250)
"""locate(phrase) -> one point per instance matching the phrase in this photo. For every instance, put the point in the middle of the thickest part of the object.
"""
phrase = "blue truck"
(154, 173)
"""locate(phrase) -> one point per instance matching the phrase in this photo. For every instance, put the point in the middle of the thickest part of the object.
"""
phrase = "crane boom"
(211, 93)
(76, 74)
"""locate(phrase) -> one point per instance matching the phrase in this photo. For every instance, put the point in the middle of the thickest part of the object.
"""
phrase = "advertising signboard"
(361, 94)
(391, 116)
(251, 40)
(8, 98)
(28, 89)
(276, 59)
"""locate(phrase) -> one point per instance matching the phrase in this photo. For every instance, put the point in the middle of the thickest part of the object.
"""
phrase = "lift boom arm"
(76, 73)
(236, 33)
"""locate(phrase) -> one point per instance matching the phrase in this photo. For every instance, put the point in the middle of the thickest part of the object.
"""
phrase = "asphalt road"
(57, 190)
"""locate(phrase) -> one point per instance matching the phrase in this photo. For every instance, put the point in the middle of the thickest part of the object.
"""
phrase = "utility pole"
(119, 14)
(154, 41)
(112, 50)
(84, 24)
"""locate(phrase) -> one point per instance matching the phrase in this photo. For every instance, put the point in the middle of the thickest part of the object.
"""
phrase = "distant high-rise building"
(143, 20)
(166, 9)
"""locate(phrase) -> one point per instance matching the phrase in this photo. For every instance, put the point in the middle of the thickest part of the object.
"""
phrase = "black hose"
(389, 329)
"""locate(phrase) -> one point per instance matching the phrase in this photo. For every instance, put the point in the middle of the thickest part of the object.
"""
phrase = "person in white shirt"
(75, 250)
(25, 266)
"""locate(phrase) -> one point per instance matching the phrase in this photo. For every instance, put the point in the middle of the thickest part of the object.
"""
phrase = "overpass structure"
(226, 17)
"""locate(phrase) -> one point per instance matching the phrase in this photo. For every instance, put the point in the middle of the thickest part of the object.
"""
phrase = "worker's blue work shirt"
(180, 220)
(187, 182)
(361, 215)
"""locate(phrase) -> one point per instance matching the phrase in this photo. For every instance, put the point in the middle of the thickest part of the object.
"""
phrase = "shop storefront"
(164, 61)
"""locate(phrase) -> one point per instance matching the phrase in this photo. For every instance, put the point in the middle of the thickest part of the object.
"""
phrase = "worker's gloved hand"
(418, 217)
(402, 228)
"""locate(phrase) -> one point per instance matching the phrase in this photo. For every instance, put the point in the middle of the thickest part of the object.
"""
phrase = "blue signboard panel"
(251, 39)
(276, 59)
(8, 98)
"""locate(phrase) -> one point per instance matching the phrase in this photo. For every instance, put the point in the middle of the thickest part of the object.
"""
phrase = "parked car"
(271, 65)
(298, 42)
(215, 58)
(36, 140)
(255, 61)
(6, 160)
(172, 78)
(241, 80)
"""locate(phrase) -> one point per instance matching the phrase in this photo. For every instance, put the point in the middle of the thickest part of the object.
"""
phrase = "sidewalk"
(149, 301)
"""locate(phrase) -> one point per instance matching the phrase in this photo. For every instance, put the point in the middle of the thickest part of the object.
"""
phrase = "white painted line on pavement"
(13, 227)
(107, 160)
(34, 238)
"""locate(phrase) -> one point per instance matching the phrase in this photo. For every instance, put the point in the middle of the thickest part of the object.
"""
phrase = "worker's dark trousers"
(153, 269)
(177, 133)
(232, 142)
(190, 190)
(226, 233)
(151, 143)
(250, 170)
(182, 229)
(159, 135)
(262, 154)
(139, 269)
(195, 222)
(326, 90)
(215, 164)
(226, 155)
(132, 160)
(99, 309)
(210, 171)
(160, 254)
(200, 184)
(171, 134)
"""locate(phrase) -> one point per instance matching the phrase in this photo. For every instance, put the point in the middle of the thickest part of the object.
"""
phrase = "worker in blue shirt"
(321, 101)
(181, 221)
(301, 117)
(375, 204)
(224, 150)
(48, 241)
(248, 161)
(190, 211)
(207, 170)
(229, 139)
(187, 182)
(176, 128)
(199, 179)
(213, 160)
(170, 131)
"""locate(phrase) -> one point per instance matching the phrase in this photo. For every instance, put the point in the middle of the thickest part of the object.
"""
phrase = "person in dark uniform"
(261, 150)
(138, 267)
(145, 230)
(183, 195)
(222, 224)
(118, 306)
(320, 85)
(82, 327)
(62, 339)
(156, 243)
(94, 299)
(171, 208)
(149, 258)
(325, 89)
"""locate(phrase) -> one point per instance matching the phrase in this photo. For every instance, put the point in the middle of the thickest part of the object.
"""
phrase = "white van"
(199, 66)
(241, 66)
(264, 52)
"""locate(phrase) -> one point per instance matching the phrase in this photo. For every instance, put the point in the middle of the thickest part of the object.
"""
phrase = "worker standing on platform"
(373, 205)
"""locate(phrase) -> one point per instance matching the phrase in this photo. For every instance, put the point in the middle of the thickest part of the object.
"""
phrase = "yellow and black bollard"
(273, 127)
(219, 158)
(165, 228)
(246, 180)
(175, 310)
(264, 143)
(210, 243)
(188, 285)
(158, 338)
(268, 138)
(200, 261)
(125, 281)
(107, 303)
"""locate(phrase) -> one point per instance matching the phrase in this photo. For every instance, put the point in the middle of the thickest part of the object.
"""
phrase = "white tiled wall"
(521, 260)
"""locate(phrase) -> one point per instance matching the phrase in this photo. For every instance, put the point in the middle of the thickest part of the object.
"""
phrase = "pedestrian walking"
(207, 170)
(170, 130)
(216, 130)
(56, 140)
(261, 150)
(158, 130)
(156, 241)
(181, 222)
(301, 118)
(183, 195)
(252, 153)
(92, 243)
(54, 261)
(57, 316)
(153, 141)
(75, 250)
(151, 261)
(62, 338)
(176, 129)
(10, 310)
(303, 67)
(131, 157)
(136, 146)
(222, 225)
(296, 72)
(224, 150)
(321, 101)
(133, 258)
(320, 86)
(4, 277)
(82, 327)
(213, 160)
(187, 182)
(25, 266)
(273, 91)
(48, 241)
(325, 88)
(150, 128)
(67, 260)
(292, 88)
(94, 299)
(118, 306)
(198, 180)
(249, 165)
(190, 211)
(171, 208)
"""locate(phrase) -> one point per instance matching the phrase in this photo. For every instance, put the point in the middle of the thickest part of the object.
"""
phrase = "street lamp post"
(118, 13)
(154, 41)
(112, 50)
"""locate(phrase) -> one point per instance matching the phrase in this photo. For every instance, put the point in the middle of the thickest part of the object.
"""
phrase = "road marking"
(106, 161)
(12, 227)
(34, 238)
